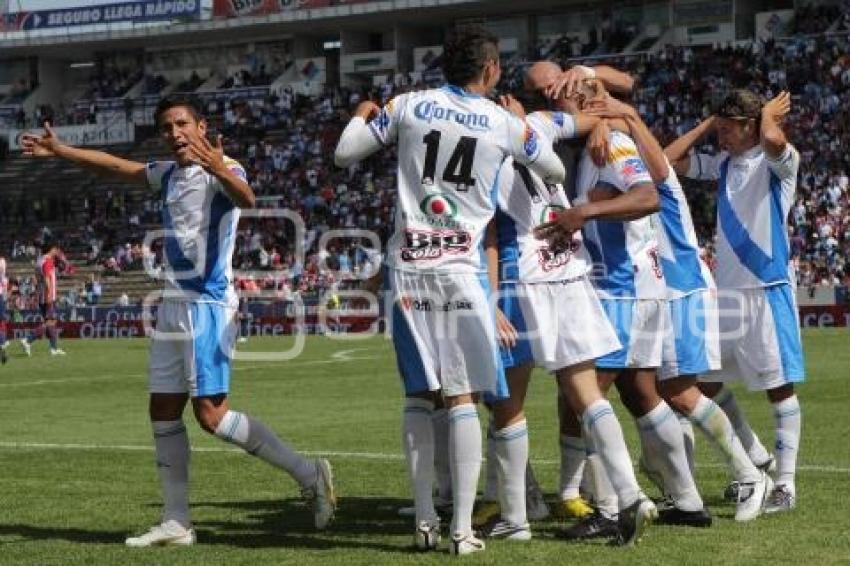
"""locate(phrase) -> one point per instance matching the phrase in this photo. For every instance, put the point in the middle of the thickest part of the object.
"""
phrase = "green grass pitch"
(78, 471)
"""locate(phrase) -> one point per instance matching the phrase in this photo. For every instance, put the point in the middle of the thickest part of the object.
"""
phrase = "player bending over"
(190, 355)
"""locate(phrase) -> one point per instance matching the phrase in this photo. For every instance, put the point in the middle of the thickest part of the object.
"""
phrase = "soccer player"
(4, 291)
(756, 172)
(452, 142)
(45, 282)
(190, 356)
(615, 205)
(692, 343)
(560, 325)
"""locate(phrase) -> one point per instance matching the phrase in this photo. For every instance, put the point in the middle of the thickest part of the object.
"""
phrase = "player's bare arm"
(639, 201)
(678, 152)
(648, 146)
(505, 331)
(773, 113)
(49, 145)
(570, 81)
(211, 158)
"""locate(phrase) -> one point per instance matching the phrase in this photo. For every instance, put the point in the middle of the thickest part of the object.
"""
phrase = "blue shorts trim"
(620, 313)
(502, 389)
(783, 306)
(212, 341)
(407, 355)
(687, 314)
(520, 354)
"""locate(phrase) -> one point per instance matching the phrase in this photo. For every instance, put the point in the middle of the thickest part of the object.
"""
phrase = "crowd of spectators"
(285, 142)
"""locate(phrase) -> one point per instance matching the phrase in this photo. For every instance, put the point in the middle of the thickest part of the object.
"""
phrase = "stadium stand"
(284, 139)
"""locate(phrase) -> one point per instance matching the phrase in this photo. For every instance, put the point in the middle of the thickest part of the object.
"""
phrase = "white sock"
(755, 449)
(573, 452)
(257, 440)
(465, 457)
(491, 466)
(440, 418)
(417, 437)
(789, 421)
(712, 420)
(604, 437)
(604, 497)
(172, 465)
(690, 441)
(664, 447)
(511, 448)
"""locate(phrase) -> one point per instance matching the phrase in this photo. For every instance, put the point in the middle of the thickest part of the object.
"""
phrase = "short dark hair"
(466, 51)
(172, 101)
(48, 245)
(740, 103)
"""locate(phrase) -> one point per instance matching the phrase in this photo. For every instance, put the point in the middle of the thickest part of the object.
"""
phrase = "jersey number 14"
(459, 168)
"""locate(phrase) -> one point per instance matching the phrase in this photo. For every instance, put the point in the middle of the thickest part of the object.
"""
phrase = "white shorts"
(692, 340)
(191, 348)
(640, 325)
(444, 332)
(760, 337)
(564, 323)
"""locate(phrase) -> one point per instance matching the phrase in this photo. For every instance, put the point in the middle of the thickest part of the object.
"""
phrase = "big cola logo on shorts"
(432, 244)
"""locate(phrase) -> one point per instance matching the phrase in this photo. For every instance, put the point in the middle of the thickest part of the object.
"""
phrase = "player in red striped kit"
(45, 276)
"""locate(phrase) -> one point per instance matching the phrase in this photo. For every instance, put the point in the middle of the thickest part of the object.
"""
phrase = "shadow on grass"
(289, 523)
(31, 532)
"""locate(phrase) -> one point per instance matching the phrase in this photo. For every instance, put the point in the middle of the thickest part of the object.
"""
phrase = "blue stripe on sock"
(655, 422)
(513, 435)
(591, 419)
(788, 413)
(573, 444)
(417, 410)
(464, 415)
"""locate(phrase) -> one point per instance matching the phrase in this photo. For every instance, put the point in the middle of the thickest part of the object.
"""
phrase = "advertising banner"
(140, 11)
(242, 8)
(85, 134)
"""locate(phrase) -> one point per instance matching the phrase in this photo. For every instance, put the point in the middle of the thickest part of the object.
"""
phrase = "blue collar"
(458, 91)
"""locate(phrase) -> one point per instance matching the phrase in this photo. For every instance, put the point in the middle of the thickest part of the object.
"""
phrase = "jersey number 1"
(458, 169)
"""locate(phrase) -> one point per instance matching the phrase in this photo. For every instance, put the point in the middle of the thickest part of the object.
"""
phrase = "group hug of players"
(607, 289)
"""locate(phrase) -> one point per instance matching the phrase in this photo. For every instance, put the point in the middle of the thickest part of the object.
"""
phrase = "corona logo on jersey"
(438, 206)
(429, 110)
(432, 244)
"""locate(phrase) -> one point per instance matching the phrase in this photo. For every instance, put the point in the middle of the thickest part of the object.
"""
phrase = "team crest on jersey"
(550, 213)
(632, 169)
(530, 144)
(558, 118)
(433, 244)
(438, 206)
(382, 121)
(550, 260)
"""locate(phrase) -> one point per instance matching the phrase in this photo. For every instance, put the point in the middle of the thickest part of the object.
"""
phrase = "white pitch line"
(279, 365)
(383, 456)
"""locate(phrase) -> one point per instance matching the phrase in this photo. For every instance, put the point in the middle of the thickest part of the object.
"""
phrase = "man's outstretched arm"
(48, 145)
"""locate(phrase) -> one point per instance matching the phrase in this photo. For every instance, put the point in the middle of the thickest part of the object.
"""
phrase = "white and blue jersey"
(754, 197)
(451, 146)
(678, 249)
(760, 323)
(624, 253)
(196, 324)
(692, 343)
(199, 223)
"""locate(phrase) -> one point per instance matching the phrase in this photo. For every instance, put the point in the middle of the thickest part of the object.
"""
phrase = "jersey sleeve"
(234, 167)
(786, 165)
(625, 167)
(528, 147)
(155, 171)
(553, 125)
(704, 167)
(359, 139)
